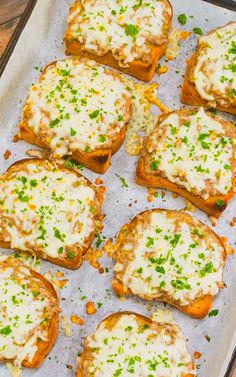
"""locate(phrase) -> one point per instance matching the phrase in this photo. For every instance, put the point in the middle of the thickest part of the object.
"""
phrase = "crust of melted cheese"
(48, 210)
(210, 78)
(168, 256)
(29, 311)
(77, 105)
(129, 343)
(127, 30)
(194, 150)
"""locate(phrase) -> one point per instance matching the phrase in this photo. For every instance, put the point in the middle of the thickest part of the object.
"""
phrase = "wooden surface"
(10, 12)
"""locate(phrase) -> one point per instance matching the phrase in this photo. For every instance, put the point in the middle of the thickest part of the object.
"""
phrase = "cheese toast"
(77, 109)
(129, 343)
(49, 211)
(128, 35)
(210, 78)
(193, 153)
(29, 314)
(172, 257)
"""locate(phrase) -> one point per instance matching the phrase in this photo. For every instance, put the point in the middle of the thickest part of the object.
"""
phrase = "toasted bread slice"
(193, 153)
(126, 35)
(29, 314)
(48, 210)
(172, 257)
(78, 109)
(210, 76)
(129, 343)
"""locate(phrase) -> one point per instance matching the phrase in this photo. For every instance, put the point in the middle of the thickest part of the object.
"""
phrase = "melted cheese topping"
(215, 71)
(77, 105)
(47, 209)
(135, 348)
(22, 313)
(127, 29)
(194, 152)
(142, 120)
(169, 257)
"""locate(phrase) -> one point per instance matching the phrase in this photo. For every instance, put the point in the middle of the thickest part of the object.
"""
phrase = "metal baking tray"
(36, 41)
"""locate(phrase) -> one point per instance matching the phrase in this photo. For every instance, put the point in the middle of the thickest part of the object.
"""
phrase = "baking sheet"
(41, 42)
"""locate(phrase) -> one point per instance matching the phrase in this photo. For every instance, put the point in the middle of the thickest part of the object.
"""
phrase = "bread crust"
(44, 347)
(110, 322)
(198, 308)
(97, 160)
(207, 205)
(67, 263)
(137, 68)
(189, 94)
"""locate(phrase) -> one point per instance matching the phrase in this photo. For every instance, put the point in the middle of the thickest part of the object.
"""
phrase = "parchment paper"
(41, 42)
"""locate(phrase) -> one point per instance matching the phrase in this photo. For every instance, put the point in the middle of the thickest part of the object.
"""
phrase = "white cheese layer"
(215, 71)
(77, 105)
(125, 28)
(135, 348)
(195, 154)
(21, 315)
(47, 209)
(171, 257)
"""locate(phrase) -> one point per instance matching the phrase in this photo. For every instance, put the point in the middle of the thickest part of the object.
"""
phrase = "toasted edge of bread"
(200, 307)
(189, 94)
(110, 322)
(67, 263)
(137, 68)
(209, 205)
(97, 160)
(44, 347)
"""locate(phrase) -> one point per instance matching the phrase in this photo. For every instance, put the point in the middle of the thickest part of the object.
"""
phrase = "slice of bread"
(210, 78)
(127, 35)
(172, 257)
(129, 343)
(77, 109)
(49, 211)
(193, 153)
(29, 314)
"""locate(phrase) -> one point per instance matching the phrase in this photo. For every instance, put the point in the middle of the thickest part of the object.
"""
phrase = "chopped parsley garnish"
(5, 330)
(198, 31)
(94, 114)
(131, 30)
(213, 313)
(182, 18)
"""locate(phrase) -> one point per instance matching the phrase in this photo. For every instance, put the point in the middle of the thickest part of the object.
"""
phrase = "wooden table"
(10, 12)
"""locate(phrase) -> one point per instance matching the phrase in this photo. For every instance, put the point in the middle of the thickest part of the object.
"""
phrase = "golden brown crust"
(110, 322)
(44, 347)
(67, 262)
(137, 68)
(98, 160)
(209, 205)
(200, 307)
(189, 94)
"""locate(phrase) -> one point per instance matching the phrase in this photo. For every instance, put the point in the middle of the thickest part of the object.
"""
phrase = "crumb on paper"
(66, 326)
(189, 206)
(6, 154)
(14, 370)
(99, 181)
(16, 138)
(213, 220)
(92, 255)
(162, 69)
(69, 366)
(208, 339)
(58, 284)
(59, 274)
(77, 320)
(90, 308)
(197, 355)
(173, 47)
(151, 194)
(109, 248)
